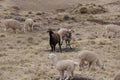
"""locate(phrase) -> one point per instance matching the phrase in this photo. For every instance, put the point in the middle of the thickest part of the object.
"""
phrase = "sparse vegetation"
(16, 7)
(23, 56)
(89, 9)
(83, 10)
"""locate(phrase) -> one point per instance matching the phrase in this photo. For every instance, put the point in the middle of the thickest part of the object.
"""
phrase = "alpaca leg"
(66, 43)
(61, 42)
(61, 75)
(24, 30)
(106, 33)
(81, 65)
(60, 47)
(30, 28)
(72, 74)
(93, 65)
(15, 31)
(52, 48)
(69, 44)
(68, 75)
(89, 65)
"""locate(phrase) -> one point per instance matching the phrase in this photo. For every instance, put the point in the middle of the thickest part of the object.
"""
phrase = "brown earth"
(23, 56)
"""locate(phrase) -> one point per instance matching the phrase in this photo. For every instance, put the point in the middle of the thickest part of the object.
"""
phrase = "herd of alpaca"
(16, 25)
(63, 34)
(90, 58)
(57, 38)
(85, 56)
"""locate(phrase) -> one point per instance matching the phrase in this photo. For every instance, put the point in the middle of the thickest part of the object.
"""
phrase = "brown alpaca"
(54, 39)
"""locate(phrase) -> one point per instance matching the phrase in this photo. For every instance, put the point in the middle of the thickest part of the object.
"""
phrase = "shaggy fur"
(54, 39)
(90, 57)
(63, 65)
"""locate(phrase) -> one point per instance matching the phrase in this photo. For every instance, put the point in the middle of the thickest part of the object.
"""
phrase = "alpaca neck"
(50, 34)
(54, 61)
(99, 63)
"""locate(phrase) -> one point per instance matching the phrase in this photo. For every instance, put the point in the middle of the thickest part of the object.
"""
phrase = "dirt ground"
(24, 56)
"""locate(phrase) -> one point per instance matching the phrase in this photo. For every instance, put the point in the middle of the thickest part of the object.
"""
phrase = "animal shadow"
(78, 78)
(70, 49)
(66, 50)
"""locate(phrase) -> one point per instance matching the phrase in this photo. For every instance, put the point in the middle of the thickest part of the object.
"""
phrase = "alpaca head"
(101, 64)
(53, 58)
(71, 30)
(50, 31)
(68, 35)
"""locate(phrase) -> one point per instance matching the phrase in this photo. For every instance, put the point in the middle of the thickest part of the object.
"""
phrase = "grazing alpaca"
(54, 39)
(91, 57)
(112, 28)
(13, 24)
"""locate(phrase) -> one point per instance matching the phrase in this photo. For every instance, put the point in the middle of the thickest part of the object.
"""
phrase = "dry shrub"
(89, 8)
(60, 10)
(117, 57)
(30, 39)
(66, 17)
(2, 35)
(21, 19)
(102, 41)
(45, 38)
(1, 6)
(40, 13)
(63, 17)
(30, 12)
(26, 15)
(18, 41)
(83, 10)
(96, 9)
(8, 16)
(15, 7)
(14, 14)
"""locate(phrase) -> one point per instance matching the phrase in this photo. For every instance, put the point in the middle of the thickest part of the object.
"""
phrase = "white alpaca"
(28, 24)
(13, 24)
(90, 57)
(112, 28)
(63, 65)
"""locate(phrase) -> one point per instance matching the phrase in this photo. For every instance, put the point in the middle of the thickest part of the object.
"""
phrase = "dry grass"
(23, 56)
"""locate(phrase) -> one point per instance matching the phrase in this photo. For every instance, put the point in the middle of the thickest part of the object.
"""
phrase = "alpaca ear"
(50, 29)
(71, 30)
